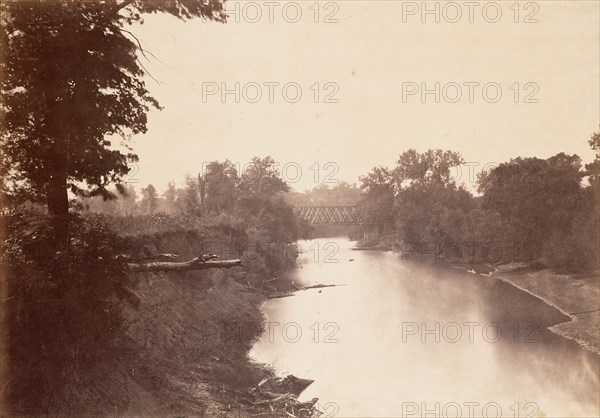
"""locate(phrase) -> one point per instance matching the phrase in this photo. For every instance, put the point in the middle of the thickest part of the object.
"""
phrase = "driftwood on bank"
(285, 294)
(318, 286)
(205, 261)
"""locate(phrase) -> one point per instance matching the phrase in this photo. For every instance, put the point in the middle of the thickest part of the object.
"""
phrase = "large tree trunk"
(57, 200)
(198, 263)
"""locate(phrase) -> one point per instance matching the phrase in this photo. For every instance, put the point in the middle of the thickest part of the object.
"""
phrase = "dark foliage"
(64, 307)
(72, 79)
(530, 209)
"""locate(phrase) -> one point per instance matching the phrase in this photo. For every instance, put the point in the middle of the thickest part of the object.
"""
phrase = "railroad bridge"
(344, 215)
(329, 215)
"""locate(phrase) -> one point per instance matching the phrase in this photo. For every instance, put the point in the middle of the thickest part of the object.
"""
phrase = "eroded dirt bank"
(178, 345)
(192, 332)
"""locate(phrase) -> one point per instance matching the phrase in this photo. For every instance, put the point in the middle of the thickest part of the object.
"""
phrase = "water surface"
(406, 338)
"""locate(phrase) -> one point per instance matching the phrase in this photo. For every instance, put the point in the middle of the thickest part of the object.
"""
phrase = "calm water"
(371, 345)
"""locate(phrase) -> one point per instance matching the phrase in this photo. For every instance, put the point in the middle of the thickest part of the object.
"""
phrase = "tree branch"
(118, 7)
(143, 51)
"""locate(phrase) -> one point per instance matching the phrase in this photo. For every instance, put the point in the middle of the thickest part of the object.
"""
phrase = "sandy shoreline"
(578, 297)
(575, 296)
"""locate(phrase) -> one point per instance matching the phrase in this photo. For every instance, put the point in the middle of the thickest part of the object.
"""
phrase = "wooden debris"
(278, 397)
(276, 295)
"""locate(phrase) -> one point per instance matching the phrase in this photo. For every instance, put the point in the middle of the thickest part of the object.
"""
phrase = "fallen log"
(287, 293)
(198, 263)
(319, 286)
(157, 257)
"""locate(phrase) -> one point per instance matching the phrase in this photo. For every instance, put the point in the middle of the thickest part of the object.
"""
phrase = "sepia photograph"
(300, 208)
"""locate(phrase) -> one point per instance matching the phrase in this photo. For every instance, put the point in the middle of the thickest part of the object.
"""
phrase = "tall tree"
(429, 204)
(533, 195)
(149, 201)
(261, 203)
(593, 168)
(188, 198)
(262, 178)
(378, 193)
(428, 168)
(71, 82)
(169, 196)
(341, 194)
(219, 180)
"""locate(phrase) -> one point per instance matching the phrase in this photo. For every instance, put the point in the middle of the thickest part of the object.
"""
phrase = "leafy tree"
(220, 181)
(188, 199)
(428, 168)
(169, 196)
(378, 193)
(593, 169)
(269, 218)
(416, 172)
(261, 178)
(124, 203)
(574, 245)
(71, 83)
(534, 196)
(128, 201)
(419, 197)
(341, 194)
(149, 201)
(433, 213)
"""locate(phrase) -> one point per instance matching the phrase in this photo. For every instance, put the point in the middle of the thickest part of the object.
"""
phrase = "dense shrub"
(576, 249)
(63, 308)
(530, 209)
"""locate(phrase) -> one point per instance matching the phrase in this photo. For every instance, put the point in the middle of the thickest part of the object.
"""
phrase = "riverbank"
(576, 296)
(196, 330)
(154, 343)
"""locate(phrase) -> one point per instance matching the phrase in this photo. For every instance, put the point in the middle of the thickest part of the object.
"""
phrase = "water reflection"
(404, 338)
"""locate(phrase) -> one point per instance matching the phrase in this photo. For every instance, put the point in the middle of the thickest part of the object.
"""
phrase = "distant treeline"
(204, 195)
(253, 201)
(221, 192)
(338, 194)
(525, 209)
(528, 209)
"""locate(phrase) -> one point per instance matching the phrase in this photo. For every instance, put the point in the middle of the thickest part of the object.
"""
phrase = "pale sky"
(367, 56)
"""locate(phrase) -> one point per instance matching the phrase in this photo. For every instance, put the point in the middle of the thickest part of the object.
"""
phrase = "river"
(404, 338)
